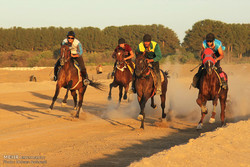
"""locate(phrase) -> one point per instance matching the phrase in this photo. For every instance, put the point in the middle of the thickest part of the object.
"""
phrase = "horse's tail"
(96, 85)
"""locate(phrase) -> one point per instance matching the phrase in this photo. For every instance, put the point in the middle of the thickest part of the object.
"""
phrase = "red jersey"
(127, 49)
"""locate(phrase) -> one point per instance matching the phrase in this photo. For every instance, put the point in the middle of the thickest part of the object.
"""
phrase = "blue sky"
(179, 15)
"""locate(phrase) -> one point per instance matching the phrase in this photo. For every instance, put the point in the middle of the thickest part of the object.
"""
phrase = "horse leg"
(163, 100)
(55, 96)
(120, 92)
(223, 106)
(125, 92)
(81, 94)
(202, 103)
(141, 116)
(212, 119)
(67, 92)
(153, 103)
(113, 84)
(73, 93)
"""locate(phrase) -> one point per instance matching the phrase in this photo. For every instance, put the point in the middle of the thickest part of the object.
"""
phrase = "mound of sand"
(229, 146)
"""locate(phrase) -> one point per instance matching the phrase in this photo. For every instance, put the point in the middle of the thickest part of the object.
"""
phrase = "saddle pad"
(78, 71)
(154, 76)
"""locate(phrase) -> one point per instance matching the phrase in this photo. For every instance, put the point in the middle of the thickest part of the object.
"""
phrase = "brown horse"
(145, 87)
(69, 78)
(210, 89)
(122, 76)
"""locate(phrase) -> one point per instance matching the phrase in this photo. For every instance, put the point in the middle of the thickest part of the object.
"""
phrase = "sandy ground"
(107, 134)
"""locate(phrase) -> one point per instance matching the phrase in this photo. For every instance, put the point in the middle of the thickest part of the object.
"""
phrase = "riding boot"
(83, 70)
(113, 72)
(56, 68)
(156, 69)
(196, 78)
(158, 91)
(224, 83)
(133, 90)
(85, 77)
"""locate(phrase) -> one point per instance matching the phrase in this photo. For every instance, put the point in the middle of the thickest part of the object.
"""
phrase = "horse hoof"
(199, 127)
(154, 106)
(49, 110)
(211, 120)
(63, 104)
(109, 98)
(140, 117)
(75, 108)
(125, 97)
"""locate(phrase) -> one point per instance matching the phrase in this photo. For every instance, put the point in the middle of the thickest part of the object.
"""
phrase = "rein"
(121, 69)
(143, 75)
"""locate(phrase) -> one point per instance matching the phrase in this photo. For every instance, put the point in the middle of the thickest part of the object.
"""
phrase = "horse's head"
(140, 63)
(119, 56)
(208, 60)
(65, 54)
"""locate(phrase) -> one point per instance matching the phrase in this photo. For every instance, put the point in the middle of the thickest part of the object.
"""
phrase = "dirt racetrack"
(107, 134)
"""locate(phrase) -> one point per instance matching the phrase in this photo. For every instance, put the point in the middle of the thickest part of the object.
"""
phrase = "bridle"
(63, 59)
(121, 62)
(145, 71)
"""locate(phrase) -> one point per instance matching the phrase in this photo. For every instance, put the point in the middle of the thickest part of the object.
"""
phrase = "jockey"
(129, 54)
(76, 52)
(217, 48)
(153, 57)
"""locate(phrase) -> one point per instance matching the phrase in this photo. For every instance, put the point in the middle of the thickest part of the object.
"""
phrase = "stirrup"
(86, 82)
(55, 78)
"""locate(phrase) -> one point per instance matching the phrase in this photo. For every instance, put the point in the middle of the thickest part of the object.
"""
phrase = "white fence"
(23, 68)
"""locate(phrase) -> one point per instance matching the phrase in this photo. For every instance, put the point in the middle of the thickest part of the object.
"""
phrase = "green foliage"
(93, 39)
(188, 57)
(234, 36)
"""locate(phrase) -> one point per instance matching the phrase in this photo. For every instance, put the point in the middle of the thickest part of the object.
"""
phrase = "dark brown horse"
(145, 87)
(69, 78)
(210, 89)
(122, 76)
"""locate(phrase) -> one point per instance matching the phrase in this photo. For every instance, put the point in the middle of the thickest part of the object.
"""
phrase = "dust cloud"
(181, 99)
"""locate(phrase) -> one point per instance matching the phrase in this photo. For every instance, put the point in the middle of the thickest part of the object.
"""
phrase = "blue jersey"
(217, 44)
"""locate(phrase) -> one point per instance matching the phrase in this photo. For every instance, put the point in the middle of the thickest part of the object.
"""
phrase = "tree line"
(93, 39)
(236, 38)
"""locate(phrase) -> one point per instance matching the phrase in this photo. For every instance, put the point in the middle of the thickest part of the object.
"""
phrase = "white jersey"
(75, 48)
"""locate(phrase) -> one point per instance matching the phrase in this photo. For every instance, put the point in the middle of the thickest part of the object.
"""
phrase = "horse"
(69, 77)
(122, 76)
(145, 86)
(210, 89)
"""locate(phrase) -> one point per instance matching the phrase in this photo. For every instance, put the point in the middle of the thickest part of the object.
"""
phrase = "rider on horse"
(128, 54)
(217, 48)
(153, 55)
(76, 53)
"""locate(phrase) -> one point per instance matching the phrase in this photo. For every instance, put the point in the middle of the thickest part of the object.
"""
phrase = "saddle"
(130, 68)
(79, 75)
(127, 66)
(155, 77)
(221, 76)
